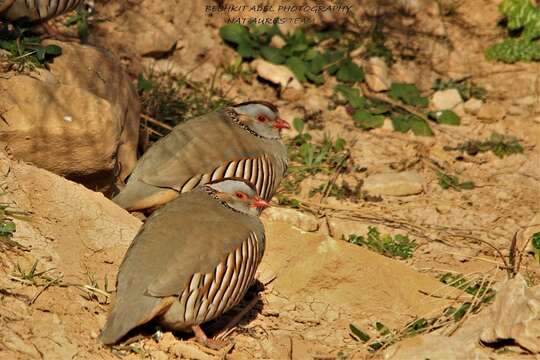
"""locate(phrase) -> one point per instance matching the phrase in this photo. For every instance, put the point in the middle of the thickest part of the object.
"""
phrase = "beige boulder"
(277, 74)
(515, 315)
(78, 237)
(377, 77)
(79, 119)
(394, 184)
(303, 220)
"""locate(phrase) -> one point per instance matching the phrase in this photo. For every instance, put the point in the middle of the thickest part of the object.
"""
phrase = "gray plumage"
(193, 260)
(207, 148)
(35, 10)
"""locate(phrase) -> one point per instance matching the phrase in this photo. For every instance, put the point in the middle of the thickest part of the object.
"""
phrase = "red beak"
(259, 203)
(281, 124)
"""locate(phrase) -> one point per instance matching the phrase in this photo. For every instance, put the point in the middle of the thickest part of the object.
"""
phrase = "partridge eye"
(241, 195)
(261, 118)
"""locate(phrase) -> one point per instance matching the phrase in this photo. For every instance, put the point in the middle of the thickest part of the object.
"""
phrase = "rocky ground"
(57, 279)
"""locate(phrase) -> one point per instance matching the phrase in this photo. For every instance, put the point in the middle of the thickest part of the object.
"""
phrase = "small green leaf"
(349, 72)
(82, 29)
(445, 117)
(298, 67)
(362, 336)
(246, 51)
(333, 58)
(536, 240)
(53, 50)
(408, 94)
(40, 53)
(467, 185)
(381, 328)
(420, 127)
(352, 96)
(366, 120)
(340, 144)
(400, 123)
(298, 124)
(272, 54)
(316, 79)
(143, 84)
(235, 33)
(317, 63)
(7, 228)
(403, 123)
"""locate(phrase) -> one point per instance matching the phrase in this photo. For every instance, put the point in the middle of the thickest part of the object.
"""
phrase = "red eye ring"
(261, 118)
(240, 195)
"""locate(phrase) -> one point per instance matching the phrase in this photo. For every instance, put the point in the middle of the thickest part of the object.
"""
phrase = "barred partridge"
(240, 141)
(35, 10)
(193, 260)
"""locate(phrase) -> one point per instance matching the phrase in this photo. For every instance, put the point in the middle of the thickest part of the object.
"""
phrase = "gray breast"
(35, 10)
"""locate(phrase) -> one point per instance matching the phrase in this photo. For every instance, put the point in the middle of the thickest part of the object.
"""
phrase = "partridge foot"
(201, 337)
(50, 32)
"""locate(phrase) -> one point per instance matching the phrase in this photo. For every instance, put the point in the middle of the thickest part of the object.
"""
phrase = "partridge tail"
(126, 317)
(138, 195)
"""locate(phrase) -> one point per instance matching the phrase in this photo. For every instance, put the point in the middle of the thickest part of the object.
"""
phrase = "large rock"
(513, 318)
(446, 99)
(377, 76)
(79, 120)
(277, 74)
(394, 184)
(78, 237)
(302, 220)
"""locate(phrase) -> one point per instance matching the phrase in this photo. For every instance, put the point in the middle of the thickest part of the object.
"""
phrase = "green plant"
(386, 337)
(31, 276)
(236, 69)
(466, 89)
(309, 158)
(392, 246)
(287, 201)
(449, 181)
(447, 117)
(341, 192)
(26, 52)
(7, 226)
(370, 113)
(477, 288)
(524, 18)
(482, 295)
(408, 94)
(83, 19)
(302, 52)
(376, 47)
(500, 145)
(535, 242)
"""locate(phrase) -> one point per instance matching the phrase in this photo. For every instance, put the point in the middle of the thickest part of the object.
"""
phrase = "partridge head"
(193, 260)
(262, 118)
(240, 141)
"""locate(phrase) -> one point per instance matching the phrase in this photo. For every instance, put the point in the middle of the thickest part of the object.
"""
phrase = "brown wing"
(195, 148)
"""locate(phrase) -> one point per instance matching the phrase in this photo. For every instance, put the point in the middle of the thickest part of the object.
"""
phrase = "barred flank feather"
(35, 10)
(210, 295)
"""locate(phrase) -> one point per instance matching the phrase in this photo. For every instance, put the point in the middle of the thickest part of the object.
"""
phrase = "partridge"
(35, 10)
(193, 260)
(240, 141)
